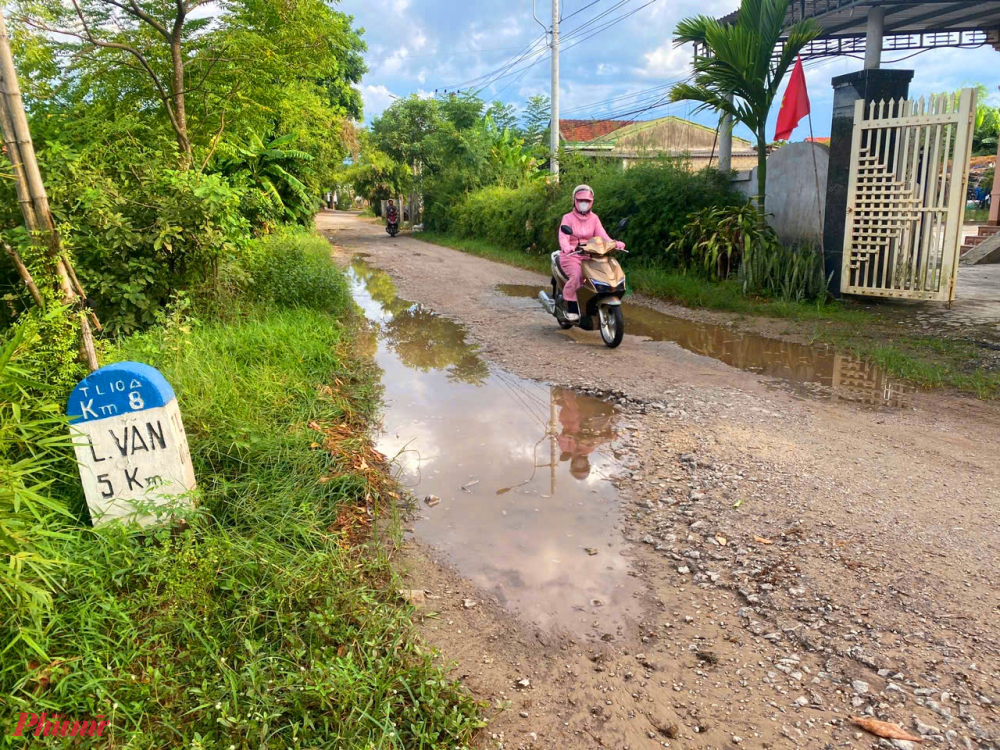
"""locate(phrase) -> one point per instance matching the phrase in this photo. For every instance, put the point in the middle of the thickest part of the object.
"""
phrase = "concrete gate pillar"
(872, 86)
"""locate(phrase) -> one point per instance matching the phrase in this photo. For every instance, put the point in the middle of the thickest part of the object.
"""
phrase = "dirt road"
(792, 559)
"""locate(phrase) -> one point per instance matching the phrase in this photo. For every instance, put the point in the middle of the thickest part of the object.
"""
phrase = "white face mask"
(583, 206)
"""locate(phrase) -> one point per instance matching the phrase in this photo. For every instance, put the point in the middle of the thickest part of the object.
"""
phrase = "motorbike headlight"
(601, 286)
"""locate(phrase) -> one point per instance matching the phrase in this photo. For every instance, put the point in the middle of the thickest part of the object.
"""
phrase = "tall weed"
(34, 445)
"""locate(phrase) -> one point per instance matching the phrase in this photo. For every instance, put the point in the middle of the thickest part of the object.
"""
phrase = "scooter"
(600, 294)
(392, 227)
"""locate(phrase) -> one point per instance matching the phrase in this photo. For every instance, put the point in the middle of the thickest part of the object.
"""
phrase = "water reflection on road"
(805, 371)
(520, 469)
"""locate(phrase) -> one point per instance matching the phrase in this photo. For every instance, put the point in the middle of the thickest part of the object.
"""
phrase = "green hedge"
(657, 196)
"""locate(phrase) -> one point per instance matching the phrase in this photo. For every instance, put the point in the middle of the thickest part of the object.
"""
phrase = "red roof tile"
(582, 131)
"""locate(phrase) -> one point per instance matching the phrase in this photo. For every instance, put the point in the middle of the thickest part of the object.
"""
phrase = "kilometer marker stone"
(130, 443)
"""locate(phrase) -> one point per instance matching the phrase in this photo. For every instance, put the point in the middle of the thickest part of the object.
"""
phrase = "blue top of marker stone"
(118, 389)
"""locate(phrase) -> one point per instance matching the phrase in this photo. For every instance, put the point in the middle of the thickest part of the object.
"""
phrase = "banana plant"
(268, 169)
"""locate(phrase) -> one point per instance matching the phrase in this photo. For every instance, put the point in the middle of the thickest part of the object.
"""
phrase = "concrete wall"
(791, 190)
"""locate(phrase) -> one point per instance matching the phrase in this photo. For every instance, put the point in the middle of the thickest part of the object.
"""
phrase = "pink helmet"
(583, 193)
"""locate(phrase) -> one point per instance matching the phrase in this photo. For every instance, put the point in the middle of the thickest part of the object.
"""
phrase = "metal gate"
(906, 196)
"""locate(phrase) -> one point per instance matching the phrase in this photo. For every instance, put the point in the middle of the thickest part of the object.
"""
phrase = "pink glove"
(619, 245)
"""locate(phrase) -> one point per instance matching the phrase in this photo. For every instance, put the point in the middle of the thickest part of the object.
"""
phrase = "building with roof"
(630, 140)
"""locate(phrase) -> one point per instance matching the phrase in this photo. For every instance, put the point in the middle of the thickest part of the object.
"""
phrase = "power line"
(516, 58)
(639, 96)
(579, 29)
(460, 52)
(611, 23)
(505, 74)
(579, 10)
(572, 33)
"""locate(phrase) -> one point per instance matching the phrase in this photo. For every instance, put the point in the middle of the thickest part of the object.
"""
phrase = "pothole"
(515, 473)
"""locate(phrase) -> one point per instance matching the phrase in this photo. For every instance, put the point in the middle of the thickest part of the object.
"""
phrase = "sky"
(419, 46)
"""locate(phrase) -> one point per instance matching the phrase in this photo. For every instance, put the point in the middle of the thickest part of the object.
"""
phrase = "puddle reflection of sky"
(520, 469)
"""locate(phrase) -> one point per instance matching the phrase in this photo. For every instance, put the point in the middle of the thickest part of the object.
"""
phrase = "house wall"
(791, 190)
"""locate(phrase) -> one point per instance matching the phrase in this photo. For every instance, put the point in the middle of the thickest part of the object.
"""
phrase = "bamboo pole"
(25, 275)
(31, 190)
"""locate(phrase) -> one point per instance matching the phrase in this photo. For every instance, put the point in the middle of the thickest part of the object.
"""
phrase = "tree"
(504, 116)
(536, 120)
(377, 176)
(143, 60)
(401, 131)
(739, 60)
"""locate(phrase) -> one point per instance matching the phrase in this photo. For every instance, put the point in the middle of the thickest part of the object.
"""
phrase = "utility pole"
(554, 142)
(554, 104)
(554, 98)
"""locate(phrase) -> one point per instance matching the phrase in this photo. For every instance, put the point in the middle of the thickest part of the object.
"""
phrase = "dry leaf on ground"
(885, 729)
(762, 540)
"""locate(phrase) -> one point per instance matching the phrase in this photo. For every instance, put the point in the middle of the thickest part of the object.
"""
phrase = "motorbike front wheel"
(612, 325)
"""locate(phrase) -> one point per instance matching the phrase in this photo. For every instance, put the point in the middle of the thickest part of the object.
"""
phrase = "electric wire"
(579, 10)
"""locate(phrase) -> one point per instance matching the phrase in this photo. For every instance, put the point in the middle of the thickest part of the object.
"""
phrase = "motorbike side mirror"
(623, 223)
(565, 229)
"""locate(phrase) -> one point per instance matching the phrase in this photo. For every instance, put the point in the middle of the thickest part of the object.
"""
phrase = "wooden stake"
(25, 275)
(83, 296)
(30, 188)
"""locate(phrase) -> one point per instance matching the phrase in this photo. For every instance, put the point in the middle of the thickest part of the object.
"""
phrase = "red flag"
(795, 104)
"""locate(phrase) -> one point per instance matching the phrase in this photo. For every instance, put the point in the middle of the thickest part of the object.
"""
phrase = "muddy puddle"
(805, 371)
(511, 475)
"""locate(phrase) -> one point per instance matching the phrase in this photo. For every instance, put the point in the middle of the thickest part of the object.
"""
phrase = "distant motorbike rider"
(585, 225)
(391, 214)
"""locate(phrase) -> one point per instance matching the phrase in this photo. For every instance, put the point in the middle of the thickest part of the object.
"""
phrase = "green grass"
(272, 620)
(928, 361)
(977, 215)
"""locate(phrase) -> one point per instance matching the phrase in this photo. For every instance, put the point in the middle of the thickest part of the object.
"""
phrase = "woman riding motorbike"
(585, 225)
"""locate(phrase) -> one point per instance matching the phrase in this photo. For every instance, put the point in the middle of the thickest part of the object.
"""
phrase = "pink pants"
(571, 265)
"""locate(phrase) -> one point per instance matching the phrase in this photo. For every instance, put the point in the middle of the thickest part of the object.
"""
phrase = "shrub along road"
(802, 559)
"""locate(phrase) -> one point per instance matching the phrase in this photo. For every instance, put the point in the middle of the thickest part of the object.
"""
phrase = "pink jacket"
(584, 226)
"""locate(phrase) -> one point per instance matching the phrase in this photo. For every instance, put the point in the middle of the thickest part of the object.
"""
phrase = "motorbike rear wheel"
(612, 325)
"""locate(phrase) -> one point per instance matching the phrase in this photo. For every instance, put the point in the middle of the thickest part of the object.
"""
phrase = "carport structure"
(871, 30)
(869, 27)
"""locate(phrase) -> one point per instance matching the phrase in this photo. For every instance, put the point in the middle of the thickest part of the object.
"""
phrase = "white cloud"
(667, 61)
(376, 99)
(394, 63)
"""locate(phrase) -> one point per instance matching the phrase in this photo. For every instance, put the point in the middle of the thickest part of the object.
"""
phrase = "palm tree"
(739, 61)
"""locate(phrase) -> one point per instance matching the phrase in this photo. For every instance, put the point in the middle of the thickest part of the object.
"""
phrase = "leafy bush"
(723, 241)
(717, 239)
(658, 196)
(139, 231)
